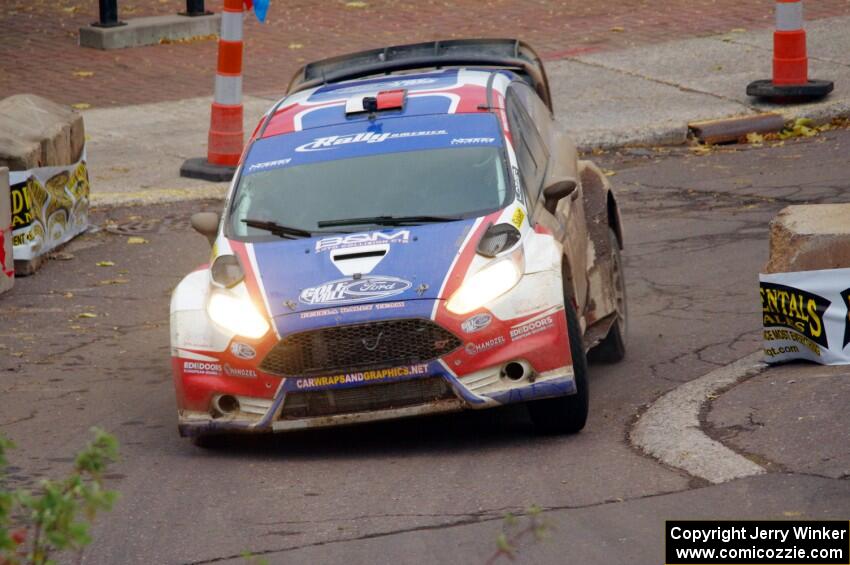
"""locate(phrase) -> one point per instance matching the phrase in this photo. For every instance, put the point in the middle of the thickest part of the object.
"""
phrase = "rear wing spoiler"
(510, 54)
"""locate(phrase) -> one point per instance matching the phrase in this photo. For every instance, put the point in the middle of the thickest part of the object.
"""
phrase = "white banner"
(50, 205)
(806, 315)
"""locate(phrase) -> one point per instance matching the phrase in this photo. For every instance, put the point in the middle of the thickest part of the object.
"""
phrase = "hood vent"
(358, 259)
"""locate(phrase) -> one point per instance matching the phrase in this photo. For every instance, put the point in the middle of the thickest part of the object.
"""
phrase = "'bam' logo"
(794, 309)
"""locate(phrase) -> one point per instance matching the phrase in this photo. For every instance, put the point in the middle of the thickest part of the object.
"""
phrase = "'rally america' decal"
(333, 141)
(350, 291)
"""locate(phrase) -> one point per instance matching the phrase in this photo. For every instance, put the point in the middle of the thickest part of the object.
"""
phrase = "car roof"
(439, 92)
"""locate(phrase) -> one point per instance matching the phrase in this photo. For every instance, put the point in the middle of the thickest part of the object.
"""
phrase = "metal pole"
(195, 8)
(108, 13)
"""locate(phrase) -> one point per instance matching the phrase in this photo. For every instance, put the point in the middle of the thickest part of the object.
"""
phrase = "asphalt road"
(426, 490)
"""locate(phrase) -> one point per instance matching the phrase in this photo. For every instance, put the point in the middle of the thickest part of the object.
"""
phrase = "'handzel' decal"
(348, 291)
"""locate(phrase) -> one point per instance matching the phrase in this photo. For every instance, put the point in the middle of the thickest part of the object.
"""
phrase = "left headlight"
(484, 286)
(237, 315)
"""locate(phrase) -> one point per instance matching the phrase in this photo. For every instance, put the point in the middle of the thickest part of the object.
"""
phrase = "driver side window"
(531, 153)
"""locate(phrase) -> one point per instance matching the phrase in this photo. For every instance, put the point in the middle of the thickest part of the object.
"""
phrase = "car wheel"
(613, 347)
(565, 414)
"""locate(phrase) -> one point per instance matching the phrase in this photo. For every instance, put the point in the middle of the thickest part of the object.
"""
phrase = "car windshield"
(454, 182)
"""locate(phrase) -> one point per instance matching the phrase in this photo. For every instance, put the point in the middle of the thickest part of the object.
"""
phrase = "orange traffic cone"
(790, 63)
(226, 134)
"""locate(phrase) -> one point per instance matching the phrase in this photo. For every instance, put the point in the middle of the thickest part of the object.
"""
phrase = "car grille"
(344, 349)
(310, 404)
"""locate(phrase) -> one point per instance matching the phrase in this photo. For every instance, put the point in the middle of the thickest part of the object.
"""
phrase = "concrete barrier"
(149, 31)
(809, 238)
(43, 145)
(35, 132)
(7, 267)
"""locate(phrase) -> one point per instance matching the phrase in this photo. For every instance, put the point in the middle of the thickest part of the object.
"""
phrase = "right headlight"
(483, 287)
(237, 315)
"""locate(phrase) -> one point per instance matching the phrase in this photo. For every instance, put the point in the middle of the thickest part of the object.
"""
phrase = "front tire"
(565, 414)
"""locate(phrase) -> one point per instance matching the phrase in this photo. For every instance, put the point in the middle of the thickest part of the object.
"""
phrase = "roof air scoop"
(376, 102)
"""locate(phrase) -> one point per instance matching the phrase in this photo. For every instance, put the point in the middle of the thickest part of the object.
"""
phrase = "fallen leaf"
(68, 295)
(17, 354)
(86, 315)
(296, 46)
(609, 173)
(76, 327)
(700, 149)
(136, 240)
(737, 30)
(83, 74)
(105, 264)
(618, 29)
(792, 513)
(63, 256)
(193, 39)
(113, 281)
(70, 9)
(356, 4)
(755, 139)
(81, 106)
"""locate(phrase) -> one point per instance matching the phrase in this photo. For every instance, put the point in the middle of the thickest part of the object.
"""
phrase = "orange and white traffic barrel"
(790, 81)
(225, 140)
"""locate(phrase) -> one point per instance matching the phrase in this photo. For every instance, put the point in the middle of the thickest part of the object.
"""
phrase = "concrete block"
(809, 238)
(149, 31)
(7, 267)
(35, 132)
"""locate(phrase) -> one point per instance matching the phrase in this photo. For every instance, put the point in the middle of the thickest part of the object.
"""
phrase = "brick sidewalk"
(39, 51)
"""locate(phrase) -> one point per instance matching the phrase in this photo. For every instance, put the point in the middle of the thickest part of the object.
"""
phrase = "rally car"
(408, 232)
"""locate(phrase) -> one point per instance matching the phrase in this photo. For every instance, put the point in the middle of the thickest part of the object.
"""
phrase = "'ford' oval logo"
(348, 291)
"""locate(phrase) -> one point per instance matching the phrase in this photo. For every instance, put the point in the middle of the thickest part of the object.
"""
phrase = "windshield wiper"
(276, 228)
(387, 221)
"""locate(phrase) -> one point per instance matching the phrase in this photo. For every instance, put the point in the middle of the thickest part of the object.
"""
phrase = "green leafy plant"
(56, 518)
(516, 529)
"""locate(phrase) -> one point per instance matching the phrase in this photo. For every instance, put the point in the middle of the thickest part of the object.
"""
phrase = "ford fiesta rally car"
(408, 232)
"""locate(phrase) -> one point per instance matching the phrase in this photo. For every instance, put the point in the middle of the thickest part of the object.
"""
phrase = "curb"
(678, 134)
(669, 430)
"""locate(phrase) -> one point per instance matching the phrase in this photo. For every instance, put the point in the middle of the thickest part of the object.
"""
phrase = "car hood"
(344, 270)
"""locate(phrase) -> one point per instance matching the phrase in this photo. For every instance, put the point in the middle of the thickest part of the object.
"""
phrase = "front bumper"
(528, 328)
(549, 385)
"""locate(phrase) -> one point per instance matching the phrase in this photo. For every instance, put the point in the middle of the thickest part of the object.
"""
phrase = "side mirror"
(206, 224)
(555, 192)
